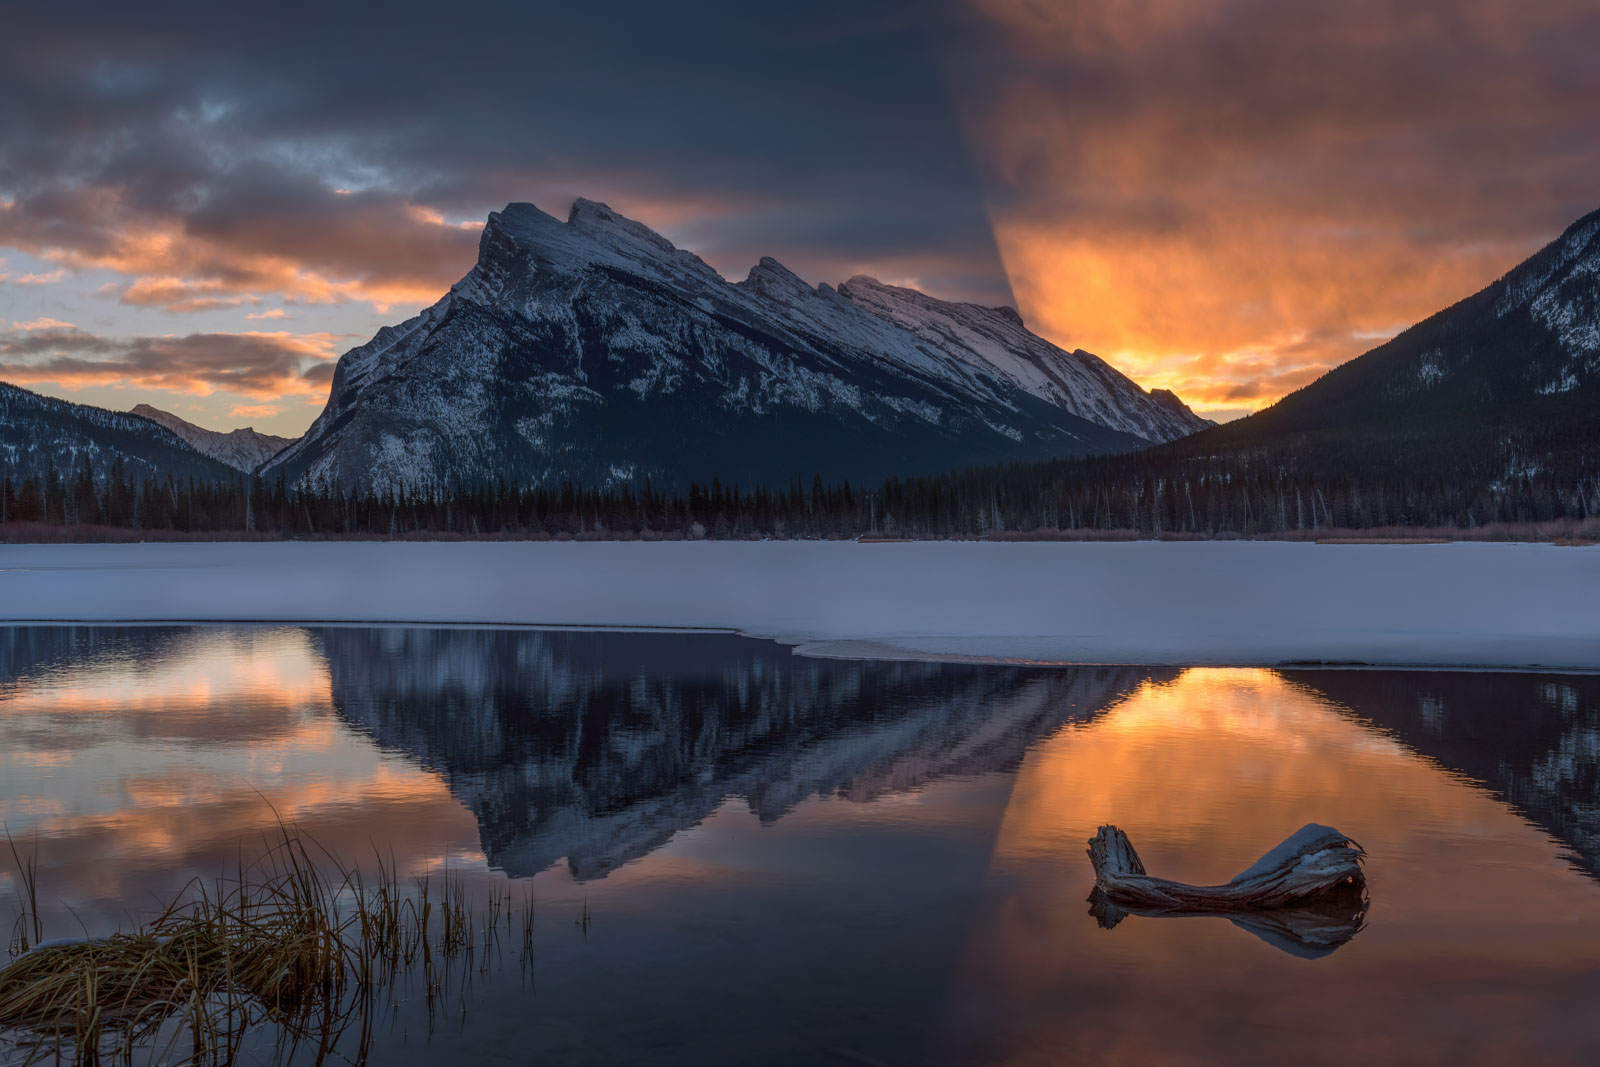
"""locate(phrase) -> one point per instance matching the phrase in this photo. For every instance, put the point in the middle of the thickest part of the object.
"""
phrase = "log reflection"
(1309, 931)
(1307, 896)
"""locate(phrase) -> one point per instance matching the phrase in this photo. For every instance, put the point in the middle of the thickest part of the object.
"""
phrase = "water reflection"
(599, 747)
(794, 861)
(1533, 740)
(1477, 935)
(141, 756)
(1310, 932)
(158, 750)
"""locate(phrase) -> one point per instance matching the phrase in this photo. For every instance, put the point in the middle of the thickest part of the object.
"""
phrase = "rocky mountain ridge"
(596, 351)
(242, 449)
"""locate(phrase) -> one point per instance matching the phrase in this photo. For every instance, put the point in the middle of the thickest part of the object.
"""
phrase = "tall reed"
(294, 940)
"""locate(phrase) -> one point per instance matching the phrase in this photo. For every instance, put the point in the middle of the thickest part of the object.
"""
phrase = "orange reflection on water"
(179, 762)
(1206, 773)
(269, 667)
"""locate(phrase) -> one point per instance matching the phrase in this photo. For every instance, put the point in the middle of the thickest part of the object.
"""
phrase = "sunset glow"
(249, 717)
(1223, 198)
(1009, 532)
(1204, 774)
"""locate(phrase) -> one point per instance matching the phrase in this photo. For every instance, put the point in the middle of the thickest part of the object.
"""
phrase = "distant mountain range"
(40, 433)
(244, 450)
(594, 350)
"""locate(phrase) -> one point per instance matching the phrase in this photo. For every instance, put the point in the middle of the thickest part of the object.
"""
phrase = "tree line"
(1248, 493)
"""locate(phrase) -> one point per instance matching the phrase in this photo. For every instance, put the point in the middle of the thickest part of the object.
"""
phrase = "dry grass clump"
(303, 946)
(272, 944)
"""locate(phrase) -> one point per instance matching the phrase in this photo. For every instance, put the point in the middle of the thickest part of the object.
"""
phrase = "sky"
(201, 207)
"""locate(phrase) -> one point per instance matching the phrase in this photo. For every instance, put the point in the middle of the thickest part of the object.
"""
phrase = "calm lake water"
(790, 860)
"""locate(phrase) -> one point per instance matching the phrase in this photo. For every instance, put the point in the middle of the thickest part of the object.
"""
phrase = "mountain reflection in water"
(1531, 739)
(598, 747)
(793, 860)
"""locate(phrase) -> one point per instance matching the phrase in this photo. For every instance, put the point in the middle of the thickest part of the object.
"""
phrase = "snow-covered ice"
(1218, 603)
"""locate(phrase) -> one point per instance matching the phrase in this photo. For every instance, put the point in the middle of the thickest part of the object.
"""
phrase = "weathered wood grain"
(1313, 861)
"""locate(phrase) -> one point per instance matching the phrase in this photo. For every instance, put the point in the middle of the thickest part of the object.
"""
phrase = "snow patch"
(1146, 603)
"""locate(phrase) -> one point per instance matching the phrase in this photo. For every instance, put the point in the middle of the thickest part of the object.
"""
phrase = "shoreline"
(842, 649)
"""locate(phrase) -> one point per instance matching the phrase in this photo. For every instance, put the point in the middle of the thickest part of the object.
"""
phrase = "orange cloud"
(256, 364)
(1229, 197)
(385, 252)
(270, 313)
(1233, 311)
(177, 294)
(255, 411)
(35, 279)
(428, 216)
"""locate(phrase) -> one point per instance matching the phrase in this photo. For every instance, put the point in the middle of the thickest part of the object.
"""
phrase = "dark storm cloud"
(208, 143)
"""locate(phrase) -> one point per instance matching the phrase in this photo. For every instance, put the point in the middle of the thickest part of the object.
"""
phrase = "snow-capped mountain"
(996, 341)
(38, 433)
(243, 449)
(594, 350)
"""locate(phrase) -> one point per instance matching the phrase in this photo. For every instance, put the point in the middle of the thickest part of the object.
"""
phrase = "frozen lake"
(1180, 604)
(814, 861)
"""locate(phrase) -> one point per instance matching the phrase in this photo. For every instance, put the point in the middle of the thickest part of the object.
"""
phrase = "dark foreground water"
(804, 861)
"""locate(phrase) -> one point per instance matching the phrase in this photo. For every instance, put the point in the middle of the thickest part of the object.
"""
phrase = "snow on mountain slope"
(243, 449)
(596, 351)
(1561, 291)
(995, 340)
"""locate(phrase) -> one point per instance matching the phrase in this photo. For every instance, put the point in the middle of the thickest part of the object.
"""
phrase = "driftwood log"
(1307, 896)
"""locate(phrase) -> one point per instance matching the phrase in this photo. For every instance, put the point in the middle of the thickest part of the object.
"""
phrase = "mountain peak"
(242, 449)
(594, 350)
(1010, 314)
(520, 216)
(1528, 340)
(155, 414)
(594, 216)
(593, 235)
(591, 211)
(773, 278)
(508, 231)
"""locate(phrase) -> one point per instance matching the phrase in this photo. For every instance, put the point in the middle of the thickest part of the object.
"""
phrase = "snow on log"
(1312, 862)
